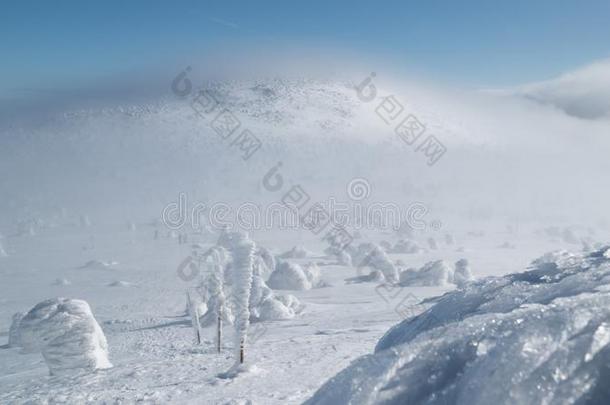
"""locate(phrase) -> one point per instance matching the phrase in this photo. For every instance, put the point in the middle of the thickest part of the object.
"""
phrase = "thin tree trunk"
(219, 335)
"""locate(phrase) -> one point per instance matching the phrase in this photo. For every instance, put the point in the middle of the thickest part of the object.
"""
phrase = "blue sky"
(51, 44)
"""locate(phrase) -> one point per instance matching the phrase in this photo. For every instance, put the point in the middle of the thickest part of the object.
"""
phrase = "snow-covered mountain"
(142, 155)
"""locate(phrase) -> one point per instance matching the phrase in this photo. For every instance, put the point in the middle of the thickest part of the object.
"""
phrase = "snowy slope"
(542, 336)
(82, 205)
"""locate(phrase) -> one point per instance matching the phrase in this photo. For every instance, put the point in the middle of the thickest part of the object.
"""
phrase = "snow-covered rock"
(67, 334)
(537, 337)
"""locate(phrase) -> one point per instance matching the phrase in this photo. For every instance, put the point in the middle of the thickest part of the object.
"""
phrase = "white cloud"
(583, 93)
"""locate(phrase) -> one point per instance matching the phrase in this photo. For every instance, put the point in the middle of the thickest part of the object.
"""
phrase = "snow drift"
(542, 336)
(67, 334)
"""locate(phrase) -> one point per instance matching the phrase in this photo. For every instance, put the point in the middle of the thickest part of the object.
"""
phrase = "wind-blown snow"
(542, 336)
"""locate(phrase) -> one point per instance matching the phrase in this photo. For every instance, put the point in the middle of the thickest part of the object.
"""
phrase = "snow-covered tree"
(192, 305)
(242, 249)
(67, 334)
(216, 301)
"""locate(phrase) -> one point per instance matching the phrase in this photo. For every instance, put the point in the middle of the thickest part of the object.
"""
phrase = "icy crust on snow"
(542, 336)
(67, 334)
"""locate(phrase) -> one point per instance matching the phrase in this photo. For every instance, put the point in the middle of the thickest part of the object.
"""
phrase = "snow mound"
(14, 336)
(437, 273)
(291, 276)
(67, 334)
(541, 336)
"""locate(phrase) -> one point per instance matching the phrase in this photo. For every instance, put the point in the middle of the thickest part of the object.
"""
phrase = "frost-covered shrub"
(537, 337)
(14, 334)
(289, 276)
(312, 272)
(373, 256)
(67, 334)
(274, 309)
(435, 273)
(462, 274)
(342, 256)
(265, 305)
(268, 262)
(408, 276)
